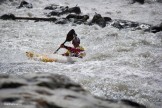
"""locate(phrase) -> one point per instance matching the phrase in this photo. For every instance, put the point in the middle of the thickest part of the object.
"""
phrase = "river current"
(119, 64)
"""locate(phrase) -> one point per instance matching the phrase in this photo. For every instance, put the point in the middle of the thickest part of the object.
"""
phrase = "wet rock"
(75, 9)
(8, 17)
(45, 90)
(78, 19)
(133, 104)
(157, 28)
(107, 19)
(125, 24)
(5, 85)
(25, 4)
(54, 13)
(62, 21)
(10, 99)
(61, 10)
(99, 20)
(51, 7)
(139, 1)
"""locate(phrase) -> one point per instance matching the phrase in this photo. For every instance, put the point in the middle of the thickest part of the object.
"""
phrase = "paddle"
(69, 38)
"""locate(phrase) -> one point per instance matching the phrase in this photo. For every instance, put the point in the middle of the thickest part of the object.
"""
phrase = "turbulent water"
(120, 64)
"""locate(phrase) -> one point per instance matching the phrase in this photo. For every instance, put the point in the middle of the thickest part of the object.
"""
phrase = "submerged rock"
(45, 90)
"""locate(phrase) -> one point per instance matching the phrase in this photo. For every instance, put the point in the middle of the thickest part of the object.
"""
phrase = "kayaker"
(77, 50)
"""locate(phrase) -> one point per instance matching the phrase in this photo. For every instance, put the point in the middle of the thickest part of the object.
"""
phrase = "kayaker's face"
(75, 44)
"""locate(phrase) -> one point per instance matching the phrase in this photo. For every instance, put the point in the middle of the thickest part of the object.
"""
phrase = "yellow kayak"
(39, 57)
(50, 57)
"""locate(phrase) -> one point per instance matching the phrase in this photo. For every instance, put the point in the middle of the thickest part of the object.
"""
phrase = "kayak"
(49, 57)
(39, 57)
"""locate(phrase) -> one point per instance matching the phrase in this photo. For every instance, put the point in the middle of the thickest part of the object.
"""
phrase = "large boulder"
(45, 90)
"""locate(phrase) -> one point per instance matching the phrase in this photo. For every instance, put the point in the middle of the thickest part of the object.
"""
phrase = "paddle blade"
(69, 38)
(70, 35)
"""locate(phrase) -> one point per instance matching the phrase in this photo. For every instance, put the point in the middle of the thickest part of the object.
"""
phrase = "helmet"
(76, 40)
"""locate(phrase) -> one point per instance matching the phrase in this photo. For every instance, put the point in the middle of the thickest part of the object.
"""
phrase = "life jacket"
(75, 52)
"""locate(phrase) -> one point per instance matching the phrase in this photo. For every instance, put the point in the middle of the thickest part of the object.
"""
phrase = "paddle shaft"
(69, 38)
(59, 48)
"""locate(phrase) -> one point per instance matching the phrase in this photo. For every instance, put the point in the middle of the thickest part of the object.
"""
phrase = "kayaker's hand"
(62, 46)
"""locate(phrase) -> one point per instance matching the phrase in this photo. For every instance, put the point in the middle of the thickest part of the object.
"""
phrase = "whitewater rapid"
(120, 64)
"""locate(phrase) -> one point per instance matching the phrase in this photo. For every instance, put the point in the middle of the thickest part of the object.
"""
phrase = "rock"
(51, 7)
(78, 19)
(54, 13)
(75, 9)
(45, 90)
(25, 4)
(62, 21)
(61, 10)
(156, 28)
(8, 17)
(139, 1)
(107, 19)
(98, 19)
(125, 24)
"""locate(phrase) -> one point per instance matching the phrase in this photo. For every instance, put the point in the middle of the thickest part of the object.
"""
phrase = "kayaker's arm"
(71, 49)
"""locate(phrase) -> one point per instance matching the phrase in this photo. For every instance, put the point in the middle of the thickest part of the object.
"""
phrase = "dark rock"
(78, 17)
(54, 13)
(62, 21)
(8, 17)
(139, 1)
(51, 7)
(6, 85)
(107, 19)
(125, 24)
(133, 104)
(98, 19)
(74, 10)
(61, 10)
(45, 104)
(10, 99)
(117, 24)
(25, 4)
(155, 29)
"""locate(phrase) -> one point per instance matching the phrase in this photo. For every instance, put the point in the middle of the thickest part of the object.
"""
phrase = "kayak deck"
(40, 57)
